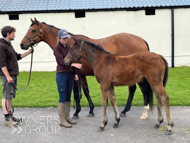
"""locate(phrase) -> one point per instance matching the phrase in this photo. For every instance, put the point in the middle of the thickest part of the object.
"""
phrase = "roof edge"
(90, 10)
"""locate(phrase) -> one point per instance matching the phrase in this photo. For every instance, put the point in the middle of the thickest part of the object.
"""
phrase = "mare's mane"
(56, 28)
(98, 47)
(33, 23)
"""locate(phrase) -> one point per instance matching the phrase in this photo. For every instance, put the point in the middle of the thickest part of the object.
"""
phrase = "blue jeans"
(64, 84)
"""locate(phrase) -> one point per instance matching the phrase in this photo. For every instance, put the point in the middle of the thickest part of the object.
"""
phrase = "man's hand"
(6, 73)
(27, 53)
(9, 79)
(31, 50)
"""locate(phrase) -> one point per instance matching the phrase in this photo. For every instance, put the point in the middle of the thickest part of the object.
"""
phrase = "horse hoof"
(90, 115)
(143, 117)
(168, 133)
(122, 115)
(75, 117)
(100, 129)
(156, 126)
(115, 126)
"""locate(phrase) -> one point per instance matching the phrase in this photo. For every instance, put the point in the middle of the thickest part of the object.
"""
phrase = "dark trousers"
(64, 84)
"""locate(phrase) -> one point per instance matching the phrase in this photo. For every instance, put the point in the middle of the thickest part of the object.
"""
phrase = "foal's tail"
(166, 72)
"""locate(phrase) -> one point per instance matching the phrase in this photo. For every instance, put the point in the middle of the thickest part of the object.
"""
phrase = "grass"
(42, 90)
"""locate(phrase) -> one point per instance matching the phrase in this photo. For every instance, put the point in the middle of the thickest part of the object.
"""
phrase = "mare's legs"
(129, 101)
(113, 102)
(162, 97)
(77, 98)
(86, 92)
(148, 97)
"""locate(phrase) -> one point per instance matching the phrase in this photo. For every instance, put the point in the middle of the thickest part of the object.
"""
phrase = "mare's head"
(75, 52)
(33, 35)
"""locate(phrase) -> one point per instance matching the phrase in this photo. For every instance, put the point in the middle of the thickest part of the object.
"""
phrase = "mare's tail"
(166, 72)
(149, 93)
(147, 45)
(147, 88)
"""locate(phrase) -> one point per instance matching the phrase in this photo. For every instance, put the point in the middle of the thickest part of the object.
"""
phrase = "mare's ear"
(31, 20)
(37, 22)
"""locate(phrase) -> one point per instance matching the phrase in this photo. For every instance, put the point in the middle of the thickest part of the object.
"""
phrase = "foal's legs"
(113, 102)
(86, 92)
(168, 113)
(105, 94)
(162, 97)
(160, 112)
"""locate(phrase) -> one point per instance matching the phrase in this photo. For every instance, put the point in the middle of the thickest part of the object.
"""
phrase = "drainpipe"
(172, 22)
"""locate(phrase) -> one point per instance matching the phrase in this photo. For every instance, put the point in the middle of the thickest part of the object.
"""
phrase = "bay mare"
(122, 44)
(113, 70)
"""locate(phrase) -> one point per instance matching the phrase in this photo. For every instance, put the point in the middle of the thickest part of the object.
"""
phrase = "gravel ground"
(41, 125)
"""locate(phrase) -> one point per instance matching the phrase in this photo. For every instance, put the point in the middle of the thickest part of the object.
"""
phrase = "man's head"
(8, 32)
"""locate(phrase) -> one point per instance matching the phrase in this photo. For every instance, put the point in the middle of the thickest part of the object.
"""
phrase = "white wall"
(155, 29)
(182, 37)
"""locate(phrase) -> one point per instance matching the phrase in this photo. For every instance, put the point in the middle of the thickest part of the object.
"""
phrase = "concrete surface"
(41, 125)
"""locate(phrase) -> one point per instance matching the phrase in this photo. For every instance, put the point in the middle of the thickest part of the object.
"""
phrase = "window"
(13, 17)
(149, 11)
(79, 14)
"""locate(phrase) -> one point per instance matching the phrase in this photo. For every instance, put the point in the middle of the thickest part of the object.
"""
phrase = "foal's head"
(75, 52)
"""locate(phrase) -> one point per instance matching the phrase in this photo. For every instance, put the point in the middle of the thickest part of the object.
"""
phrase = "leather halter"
(75, 58)
(39, 35)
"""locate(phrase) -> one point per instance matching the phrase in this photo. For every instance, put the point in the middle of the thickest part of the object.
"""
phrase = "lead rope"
(79, 82)
(29, 73)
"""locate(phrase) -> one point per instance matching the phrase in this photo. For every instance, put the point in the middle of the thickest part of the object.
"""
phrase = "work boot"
(9, 122)
(61, 112)
(18, 120)
(67, 112)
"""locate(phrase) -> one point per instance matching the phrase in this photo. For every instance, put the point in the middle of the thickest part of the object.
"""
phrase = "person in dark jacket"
(8, 73)
(64, 78)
